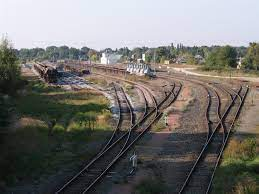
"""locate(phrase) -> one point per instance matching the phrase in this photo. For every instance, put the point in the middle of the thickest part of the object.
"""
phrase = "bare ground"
(165, 155)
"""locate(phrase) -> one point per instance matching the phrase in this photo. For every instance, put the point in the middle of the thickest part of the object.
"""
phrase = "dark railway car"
(47, 72)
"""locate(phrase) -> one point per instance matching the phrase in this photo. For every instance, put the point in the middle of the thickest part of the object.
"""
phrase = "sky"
(101, 24)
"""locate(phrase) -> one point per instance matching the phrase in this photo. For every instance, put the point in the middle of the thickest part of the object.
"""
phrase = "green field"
(239, 170)
(50, 131)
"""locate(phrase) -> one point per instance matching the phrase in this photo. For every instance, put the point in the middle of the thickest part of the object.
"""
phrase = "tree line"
(215, 57)
(54, 53)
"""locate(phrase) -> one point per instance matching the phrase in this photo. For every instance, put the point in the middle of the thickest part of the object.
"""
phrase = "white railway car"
(140, 69)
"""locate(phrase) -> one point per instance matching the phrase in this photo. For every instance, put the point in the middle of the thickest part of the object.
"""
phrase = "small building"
(199, 59)
(239, 62)
(168, 62)
(144, 57)
(181, 60)
(108, 58)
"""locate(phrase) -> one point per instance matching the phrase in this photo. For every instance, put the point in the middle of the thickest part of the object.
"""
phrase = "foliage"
(29, 153)
(9, 70)
(251, 60)
(238, 173)
(5, 113)
(150, 186)
(89, 118)
(54, 53)
(242, 151)
(158, 54)
(221, 58)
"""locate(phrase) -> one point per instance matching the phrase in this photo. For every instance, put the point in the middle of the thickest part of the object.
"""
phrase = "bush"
(246, 186)
(9, 70)
(245, 150)
(150, 186)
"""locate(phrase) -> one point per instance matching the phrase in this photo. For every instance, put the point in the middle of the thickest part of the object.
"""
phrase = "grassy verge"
(159, 125)
(97, 81)
(29, 151)
(239, 170)
(226, 71)
(150, 186)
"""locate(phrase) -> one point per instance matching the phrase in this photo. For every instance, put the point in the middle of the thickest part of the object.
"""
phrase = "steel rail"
(131, 144)
(242, 99)
(208, 101)
(118, 122)
(100, 155)
(145, 103)
(206, 145)
(105, 147)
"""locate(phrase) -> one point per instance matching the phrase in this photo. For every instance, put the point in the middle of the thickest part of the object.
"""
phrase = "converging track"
(200, 177)
(116, 146)
(222, 109)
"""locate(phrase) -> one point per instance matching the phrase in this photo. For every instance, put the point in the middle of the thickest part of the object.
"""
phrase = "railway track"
(83, 181)
(242, 98)
(200, 177)
(87, 175)
(220, 122)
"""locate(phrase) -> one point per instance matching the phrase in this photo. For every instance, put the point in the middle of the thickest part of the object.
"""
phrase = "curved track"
(200, 177)
(78, 183)
(95, 170)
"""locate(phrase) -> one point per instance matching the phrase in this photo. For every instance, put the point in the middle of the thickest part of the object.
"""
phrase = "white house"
(107, 58)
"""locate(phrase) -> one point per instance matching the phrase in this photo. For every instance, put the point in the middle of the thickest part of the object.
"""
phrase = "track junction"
(222, 106)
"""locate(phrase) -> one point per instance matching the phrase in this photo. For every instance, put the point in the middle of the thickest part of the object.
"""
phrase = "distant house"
(144, 57)
(199, 59)
(108, 58)
(168, 62)
(239, 62)
(181, 60)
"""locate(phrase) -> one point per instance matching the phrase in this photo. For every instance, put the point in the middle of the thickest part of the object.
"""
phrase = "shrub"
(246, 186)
(245, 150)
(9, 70)
(150, 186)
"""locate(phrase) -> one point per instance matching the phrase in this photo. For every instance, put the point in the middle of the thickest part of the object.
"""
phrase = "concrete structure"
(140, 69)
(107, 58)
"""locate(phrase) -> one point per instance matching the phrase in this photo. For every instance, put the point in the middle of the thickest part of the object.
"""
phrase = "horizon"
(100, 24)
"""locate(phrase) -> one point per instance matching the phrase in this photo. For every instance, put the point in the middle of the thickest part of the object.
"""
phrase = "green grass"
(98, 81)
(223, 71)
(30, 153)
(150, 186)
(159, 125)
(239, 170)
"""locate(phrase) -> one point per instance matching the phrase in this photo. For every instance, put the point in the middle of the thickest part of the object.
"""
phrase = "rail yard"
(197, 115)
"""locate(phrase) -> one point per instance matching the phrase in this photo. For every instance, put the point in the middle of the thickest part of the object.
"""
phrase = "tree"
(84, 53)
(74, 53)
(251, 60)
(87, 118)
(52, 53)
(227, 57)
(222, 57)
(63, 52)
(9, 69)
